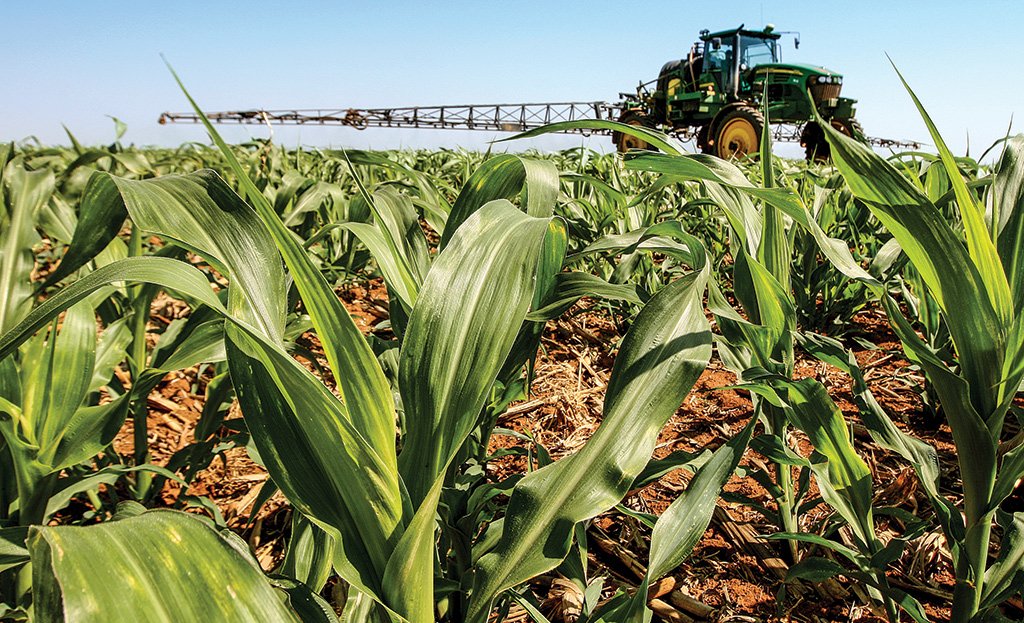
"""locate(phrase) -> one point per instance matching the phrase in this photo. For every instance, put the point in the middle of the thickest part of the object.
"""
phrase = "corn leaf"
(470, 310)
(505, 177)
(158, 566)
(101, 216)
(26, 193)
(360, 379)
(13, 552)
(323, 464)
(658, 140)
(661, 357)
(980, 245)
(1008, 215)
(683, 523)
(938, 255)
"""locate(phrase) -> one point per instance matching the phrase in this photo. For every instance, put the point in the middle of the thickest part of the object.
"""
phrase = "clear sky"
(75, 63)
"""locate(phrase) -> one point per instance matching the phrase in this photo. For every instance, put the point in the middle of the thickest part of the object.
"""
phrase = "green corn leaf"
(101, 216)
(505, 177)
(110, 351)
(170, 274)
(816, 539)
(398, 220)
(657, 139)
(666, 237)
(773, 252)
(455, 344)
(88, 431)
(921, 456)
(843, 477)
(570, 287)
(308, 558)
(200, 212)
(68, 488)
(980, 243)
(397, 244)
(158, 566)
(728, 186)
(937, 254)
(975, 444)
(409, 576)
(661, 357)
(27, 192)
(13, 552)
(814, 569)
(360, 379)
(682, 525)
(1006, 575)
(57, 384)
(307, 604)
(323, 464)
(765, 300)
(549, 268)
(772, 448)
(1008, 215)
(1011, 470)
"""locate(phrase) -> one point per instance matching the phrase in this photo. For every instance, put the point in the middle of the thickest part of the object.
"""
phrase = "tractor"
(719, 90)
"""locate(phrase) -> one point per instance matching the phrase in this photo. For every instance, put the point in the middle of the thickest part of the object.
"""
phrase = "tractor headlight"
(822, 79)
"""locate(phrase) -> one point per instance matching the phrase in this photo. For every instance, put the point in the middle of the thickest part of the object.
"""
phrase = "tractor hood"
(798, 68)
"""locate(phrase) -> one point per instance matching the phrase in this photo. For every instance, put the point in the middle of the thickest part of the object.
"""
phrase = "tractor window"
(755, 51)
(720, 59)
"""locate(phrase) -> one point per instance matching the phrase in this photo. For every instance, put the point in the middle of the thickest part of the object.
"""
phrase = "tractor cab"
(732, 54)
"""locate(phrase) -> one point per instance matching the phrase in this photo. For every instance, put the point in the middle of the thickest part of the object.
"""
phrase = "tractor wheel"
(850, 127)
(816, 146)
(704, 139)
(738, 133)
(812, 139)
(624, 142)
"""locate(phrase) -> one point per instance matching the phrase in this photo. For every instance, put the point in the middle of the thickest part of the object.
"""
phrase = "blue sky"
(74, 63)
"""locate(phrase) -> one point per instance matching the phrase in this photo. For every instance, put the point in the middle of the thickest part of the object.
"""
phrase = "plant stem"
(971, 568)
(787, 510)
(140, 426)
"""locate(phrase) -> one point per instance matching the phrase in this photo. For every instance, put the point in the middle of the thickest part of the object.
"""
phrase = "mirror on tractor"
(716, 43)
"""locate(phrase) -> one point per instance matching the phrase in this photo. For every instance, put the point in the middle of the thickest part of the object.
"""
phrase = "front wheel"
(625, 142)
(738, 134)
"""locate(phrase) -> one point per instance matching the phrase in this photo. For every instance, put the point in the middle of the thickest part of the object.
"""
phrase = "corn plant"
(341, 468)
(975, 280)
(845, 484)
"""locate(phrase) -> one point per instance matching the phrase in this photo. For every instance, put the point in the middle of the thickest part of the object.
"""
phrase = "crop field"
(253, 383)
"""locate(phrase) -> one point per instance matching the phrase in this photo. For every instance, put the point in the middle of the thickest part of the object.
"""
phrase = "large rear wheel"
(624, 142)
(738, 133)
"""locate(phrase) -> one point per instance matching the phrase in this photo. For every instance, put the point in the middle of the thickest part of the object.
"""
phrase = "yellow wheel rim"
(737, 139)
(627, 142)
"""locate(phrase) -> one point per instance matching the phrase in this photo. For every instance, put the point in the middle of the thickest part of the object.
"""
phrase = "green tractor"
(716, 93)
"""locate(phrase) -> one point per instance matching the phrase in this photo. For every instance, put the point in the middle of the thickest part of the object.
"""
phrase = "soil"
(732, 570)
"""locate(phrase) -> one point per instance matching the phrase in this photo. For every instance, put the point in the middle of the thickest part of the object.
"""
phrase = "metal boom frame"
(492, 117)
(488, 117)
